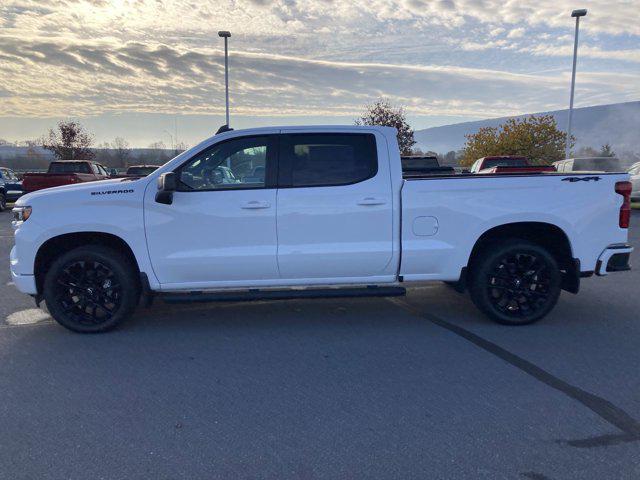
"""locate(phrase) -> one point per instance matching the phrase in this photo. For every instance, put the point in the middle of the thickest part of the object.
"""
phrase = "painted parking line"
(629, 427)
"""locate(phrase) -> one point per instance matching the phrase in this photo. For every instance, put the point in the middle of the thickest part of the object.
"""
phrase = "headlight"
(21, 214)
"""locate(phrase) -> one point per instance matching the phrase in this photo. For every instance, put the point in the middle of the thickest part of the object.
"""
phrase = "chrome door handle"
(255, 205)
(371, 201)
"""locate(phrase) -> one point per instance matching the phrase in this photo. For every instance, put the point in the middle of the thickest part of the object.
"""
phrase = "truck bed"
(460, 208)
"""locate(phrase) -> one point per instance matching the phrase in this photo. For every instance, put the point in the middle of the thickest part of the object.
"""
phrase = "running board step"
(248, 295)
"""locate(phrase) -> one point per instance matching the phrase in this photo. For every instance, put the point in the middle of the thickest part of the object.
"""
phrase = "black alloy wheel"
(91, 289)
(516, 283)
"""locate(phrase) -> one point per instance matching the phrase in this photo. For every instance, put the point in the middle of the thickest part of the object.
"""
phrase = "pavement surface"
(420, 387)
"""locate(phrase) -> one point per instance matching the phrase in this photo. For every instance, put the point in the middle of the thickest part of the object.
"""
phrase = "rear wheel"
(91, 289)
(515, 283)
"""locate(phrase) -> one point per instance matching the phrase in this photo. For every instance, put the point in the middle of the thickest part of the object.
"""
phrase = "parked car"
(420, 165)
(333, 215)
(65, 172)
(3, 196)
(634, 171)
(12, 184)
(134, 171)
(141, 170)
(518, 169)
(499, 160)
(589, 164)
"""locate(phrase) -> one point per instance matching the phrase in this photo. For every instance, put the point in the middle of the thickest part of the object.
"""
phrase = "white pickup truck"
(289, 212)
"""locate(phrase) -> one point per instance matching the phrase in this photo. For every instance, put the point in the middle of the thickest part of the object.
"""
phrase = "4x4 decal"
(578, 179)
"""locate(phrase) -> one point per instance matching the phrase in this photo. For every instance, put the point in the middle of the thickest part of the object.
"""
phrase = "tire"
(515, 282)
(3, 202)
(91, 289)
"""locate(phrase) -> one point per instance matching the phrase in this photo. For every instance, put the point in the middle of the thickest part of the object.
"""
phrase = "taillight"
(624, 189)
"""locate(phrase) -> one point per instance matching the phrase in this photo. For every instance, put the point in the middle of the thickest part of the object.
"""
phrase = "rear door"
(334, 217)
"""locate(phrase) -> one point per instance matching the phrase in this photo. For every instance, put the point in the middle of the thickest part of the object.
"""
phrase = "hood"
(80, 187)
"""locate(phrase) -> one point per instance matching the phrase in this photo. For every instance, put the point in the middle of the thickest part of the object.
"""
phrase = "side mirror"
(166, 187)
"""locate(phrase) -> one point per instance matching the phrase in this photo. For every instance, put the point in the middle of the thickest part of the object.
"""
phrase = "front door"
(335, 208)
(221, 228)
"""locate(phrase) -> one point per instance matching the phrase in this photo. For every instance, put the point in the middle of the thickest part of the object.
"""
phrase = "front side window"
(235, 164)
(312, 160)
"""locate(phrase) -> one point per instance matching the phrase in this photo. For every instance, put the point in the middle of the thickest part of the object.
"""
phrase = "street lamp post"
(171, 137)
(576, 14)
(224, 34)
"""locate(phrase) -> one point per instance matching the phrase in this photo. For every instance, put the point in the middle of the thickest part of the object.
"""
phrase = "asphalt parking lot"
(421, 387)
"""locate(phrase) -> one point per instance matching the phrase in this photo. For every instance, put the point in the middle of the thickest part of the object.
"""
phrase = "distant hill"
(617, 124)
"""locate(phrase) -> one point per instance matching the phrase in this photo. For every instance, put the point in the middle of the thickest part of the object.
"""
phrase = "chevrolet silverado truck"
(64, 172)
(314, 212)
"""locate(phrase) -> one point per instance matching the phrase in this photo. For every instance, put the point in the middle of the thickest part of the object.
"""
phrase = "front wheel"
(3, 202)
(515, 282)
(91, 289)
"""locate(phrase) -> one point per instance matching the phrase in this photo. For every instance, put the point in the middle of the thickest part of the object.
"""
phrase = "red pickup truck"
(65, 172)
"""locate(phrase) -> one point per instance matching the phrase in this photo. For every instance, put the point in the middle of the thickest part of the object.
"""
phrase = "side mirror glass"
(166, 187)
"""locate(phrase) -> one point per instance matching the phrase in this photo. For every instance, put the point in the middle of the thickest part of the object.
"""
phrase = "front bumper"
(614, 258)
(24, 283)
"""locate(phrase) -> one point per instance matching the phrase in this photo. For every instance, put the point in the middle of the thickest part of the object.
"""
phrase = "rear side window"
(314, 160)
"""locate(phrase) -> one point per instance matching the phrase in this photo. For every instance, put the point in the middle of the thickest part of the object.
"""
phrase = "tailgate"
(38, 181)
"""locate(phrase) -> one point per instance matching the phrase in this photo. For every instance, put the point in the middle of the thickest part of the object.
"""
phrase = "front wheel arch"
(56, 246)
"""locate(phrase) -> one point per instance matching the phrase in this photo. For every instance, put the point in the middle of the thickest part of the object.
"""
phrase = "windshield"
(504, 162)
(143, 171)
(597, 164)
(69, 167)
(418, 163)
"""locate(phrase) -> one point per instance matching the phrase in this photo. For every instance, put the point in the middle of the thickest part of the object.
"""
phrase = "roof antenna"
(225, 34)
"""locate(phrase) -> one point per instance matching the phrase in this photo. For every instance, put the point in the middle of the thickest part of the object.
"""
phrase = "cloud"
(516, 33)
(61, 79)
(588, 51)
(437, 57)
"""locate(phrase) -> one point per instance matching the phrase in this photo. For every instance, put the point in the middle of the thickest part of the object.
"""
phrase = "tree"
(449, 158)
(122, 151)
(587, 152)
(383, 113)
(536, 137)
(606, 151)
(69, 141)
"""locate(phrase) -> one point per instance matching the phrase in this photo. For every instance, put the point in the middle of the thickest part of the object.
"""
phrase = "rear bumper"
(614, 258)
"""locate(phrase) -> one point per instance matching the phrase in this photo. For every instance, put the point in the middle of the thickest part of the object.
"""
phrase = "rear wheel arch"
(56, 246)
(546, 235)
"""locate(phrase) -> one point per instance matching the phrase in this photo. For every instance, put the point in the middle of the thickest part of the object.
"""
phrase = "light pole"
(576, 14)
(224, 34)
(171, 137)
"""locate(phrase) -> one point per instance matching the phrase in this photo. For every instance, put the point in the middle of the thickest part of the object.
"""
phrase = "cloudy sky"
(134, 68)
